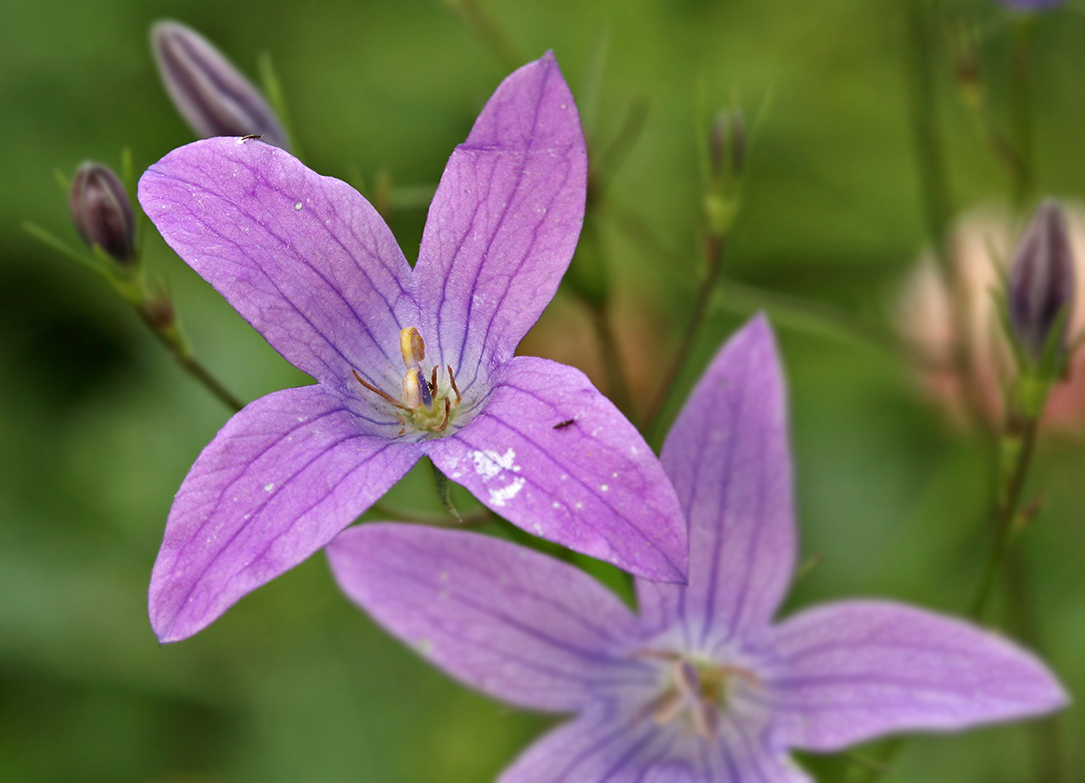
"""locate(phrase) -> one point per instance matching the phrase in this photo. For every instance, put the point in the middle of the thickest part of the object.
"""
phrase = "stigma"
(425, 404)
(695, 691)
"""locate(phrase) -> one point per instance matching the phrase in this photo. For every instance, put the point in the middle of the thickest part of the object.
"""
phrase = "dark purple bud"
(102, 212)
(208, 91)
(1042, 282)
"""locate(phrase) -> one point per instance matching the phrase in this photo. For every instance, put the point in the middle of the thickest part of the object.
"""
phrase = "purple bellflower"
(408, 362)
(701, 686)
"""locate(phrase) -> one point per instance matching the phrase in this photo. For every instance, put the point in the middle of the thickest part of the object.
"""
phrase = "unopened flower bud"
(208, 91)
(102, 212)
(1041, 292)
(727, 145)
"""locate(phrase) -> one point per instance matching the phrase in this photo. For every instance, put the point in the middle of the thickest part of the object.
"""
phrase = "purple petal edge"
(504, 221)
(729, 458)
(278, 482)
(556, 458)
(516, 624)
(847, 672)
(305, 259)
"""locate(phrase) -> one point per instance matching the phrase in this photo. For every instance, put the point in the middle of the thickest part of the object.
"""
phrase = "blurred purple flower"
(408, 362)
(1032, 5)
(700, 686)
(210, 93)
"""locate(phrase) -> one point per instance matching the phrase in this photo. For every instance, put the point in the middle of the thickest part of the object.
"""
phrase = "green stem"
(486, 28)
(1006, 512)
(171, 336)
(804, 315)
(1021, 108)
(474, 519)
(444, 492)
(926, 136)
(883, 763)
(1044, 737)
(610, 352)
(714, 246)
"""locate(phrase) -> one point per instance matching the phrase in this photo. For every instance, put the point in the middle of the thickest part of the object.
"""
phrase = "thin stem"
(805, 315)
(474, 519)
(883, 764)
(610, 353)
(1021, 108)
(489, 32)
(170, 335)
(444, 492)
(714, 246)
(1006, 512)
(926, 135)
(1044, 738)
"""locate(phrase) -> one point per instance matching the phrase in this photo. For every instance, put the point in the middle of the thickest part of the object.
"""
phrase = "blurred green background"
(293, 684)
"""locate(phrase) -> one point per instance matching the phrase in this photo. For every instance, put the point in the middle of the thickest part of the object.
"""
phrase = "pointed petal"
(851, 671)
(516, 624)
(610, 743)
(277, 483)
(304, 258)
(553, 456)
(504, 222)
(728, 457)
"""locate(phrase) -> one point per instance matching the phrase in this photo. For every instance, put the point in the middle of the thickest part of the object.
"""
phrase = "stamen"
(671, 706)
(452, 381)
(685, 677)
(448, 411)
(706, 719)
(375, 390)
(659, 655)
(412, 347)
(433, 381)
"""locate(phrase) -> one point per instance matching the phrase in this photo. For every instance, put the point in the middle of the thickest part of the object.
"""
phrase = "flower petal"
(278, 482)
(728, 457)
(611, 743)
(504, 222)
(518, 625)
(554, 456)
(304, 258)
(851, 671)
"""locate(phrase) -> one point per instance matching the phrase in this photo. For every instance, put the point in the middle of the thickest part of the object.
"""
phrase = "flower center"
(425, 405)
(695, 690)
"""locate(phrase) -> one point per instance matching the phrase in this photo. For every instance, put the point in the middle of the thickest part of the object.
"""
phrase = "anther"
(416, 392)
(412, 347)
(433, 381)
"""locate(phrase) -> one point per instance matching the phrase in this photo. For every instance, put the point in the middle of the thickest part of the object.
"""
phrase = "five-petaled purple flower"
(409, 362)
(700, 687)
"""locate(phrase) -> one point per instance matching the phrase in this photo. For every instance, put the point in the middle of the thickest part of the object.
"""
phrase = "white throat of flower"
(426, 405)
(695, 691)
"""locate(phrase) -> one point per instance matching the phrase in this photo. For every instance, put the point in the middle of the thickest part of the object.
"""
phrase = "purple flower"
(701, 686)
(408, 362)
